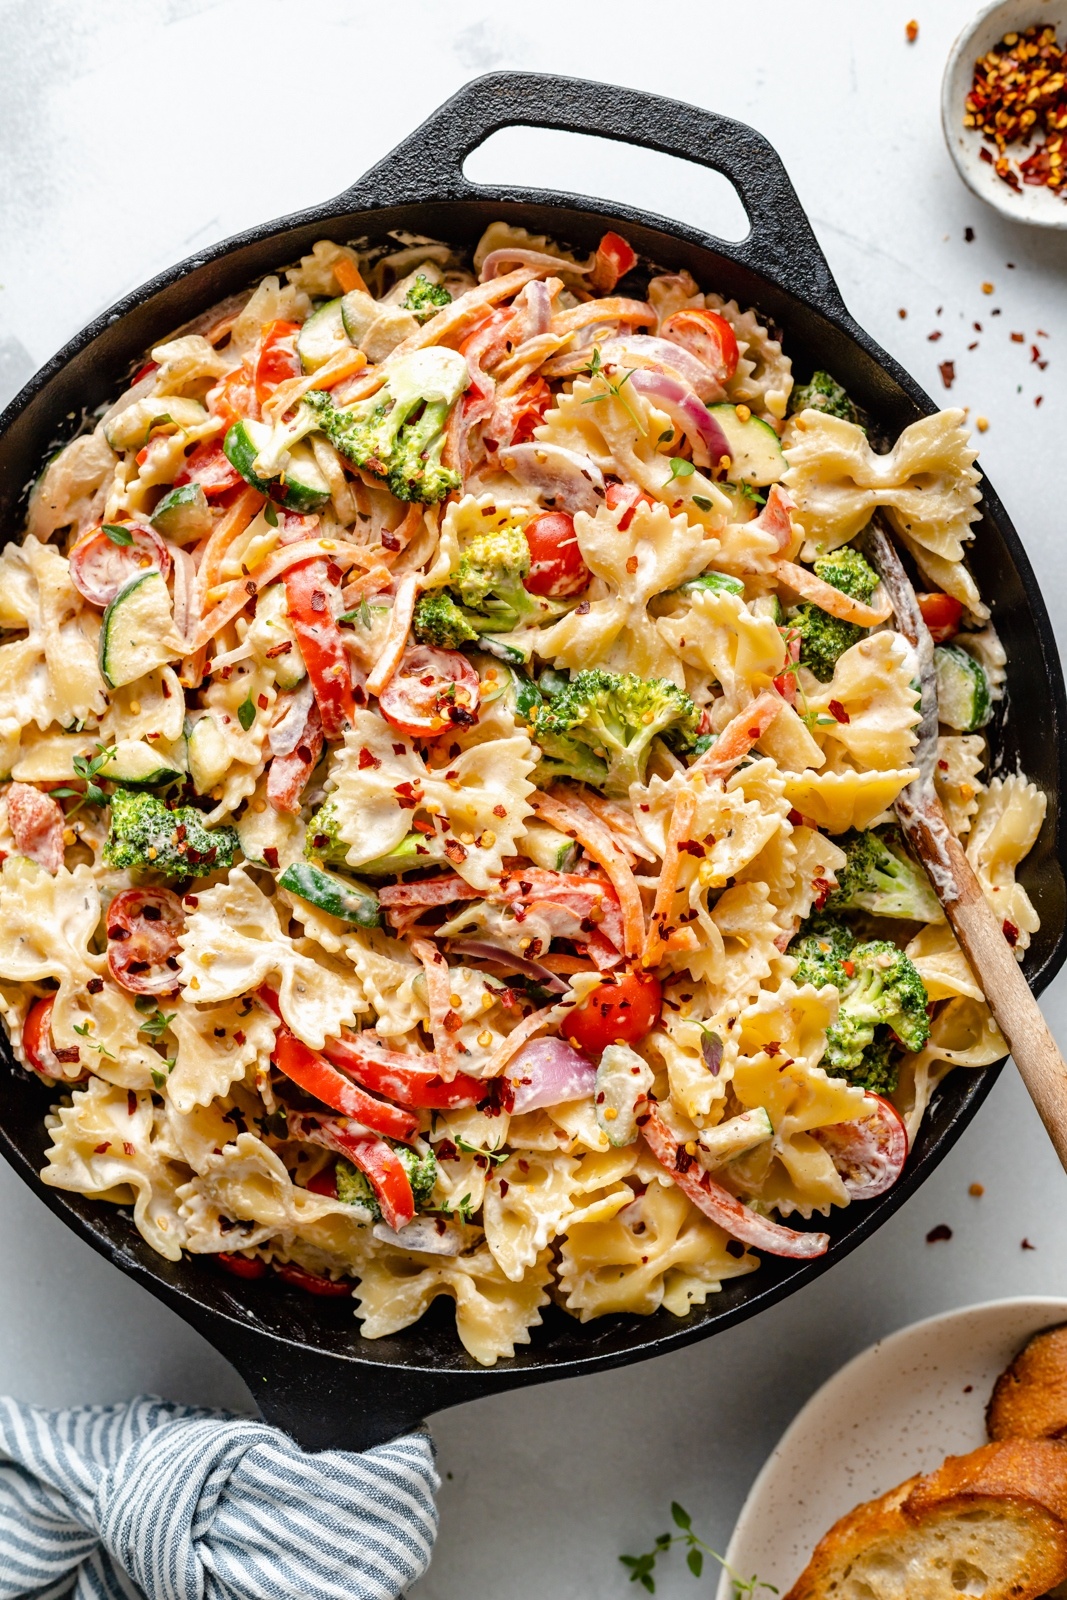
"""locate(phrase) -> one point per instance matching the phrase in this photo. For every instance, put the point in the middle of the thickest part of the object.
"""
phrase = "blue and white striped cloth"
(161, 1500)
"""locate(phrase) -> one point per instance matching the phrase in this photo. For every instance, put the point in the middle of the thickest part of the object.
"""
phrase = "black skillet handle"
(428, 165)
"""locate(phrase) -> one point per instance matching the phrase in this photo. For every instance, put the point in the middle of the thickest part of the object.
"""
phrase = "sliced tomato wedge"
(371, 1155)
(556, 564)
(277, 359)
(317, 1077)
(287, 775)
(392, 1073)
(312, 1282)
(706, 335)
(313, 593)
(99, 567)
(234, 396)
(942, 614)
(39, 1048)
(37, 823)
(869, 1155)
(724, 1208)
(629, 495)
(622, 1009)
(142, 940)
(242, 1266)
(207, 465)
(431, 692)
(615, 257)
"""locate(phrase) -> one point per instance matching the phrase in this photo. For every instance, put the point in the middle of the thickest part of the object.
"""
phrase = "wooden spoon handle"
(981, 937)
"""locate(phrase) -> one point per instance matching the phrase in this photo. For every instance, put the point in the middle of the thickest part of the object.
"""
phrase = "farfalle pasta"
(449, 737)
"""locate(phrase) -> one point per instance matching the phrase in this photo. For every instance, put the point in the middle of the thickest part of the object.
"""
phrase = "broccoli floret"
(399, 433)
(823, 393)
(439, 622)
(425, 298)
(879, 876)
(489, 579)
(145, 833)
(823, 638)
(879, 1067)
(324, 842)
(354, 1188)
(881, 987)
(821, 946)
(601, 725)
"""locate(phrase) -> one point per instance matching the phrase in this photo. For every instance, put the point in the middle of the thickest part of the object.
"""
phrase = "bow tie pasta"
(450, 736)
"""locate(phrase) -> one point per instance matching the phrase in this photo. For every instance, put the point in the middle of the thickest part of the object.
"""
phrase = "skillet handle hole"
(585, 164)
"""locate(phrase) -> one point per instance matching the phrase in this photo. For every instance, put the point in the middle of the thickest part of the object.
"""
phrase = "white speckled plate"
(899, 1407)
(1035, 203)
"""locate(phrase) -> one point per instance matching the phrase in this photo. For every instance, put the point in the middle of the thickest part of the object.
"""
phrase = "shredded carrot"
(341, 365)
(345, 364)
(827, 598)
(575, 818)
(680, 941)
(613, 309)
(348, 276)
(397, 636)
(625, 829)
(563, 964)
(241, 590)
(229, 527)
(454, 319)
(438, 997)
(681, 822)
(368, 583)
(739, 735)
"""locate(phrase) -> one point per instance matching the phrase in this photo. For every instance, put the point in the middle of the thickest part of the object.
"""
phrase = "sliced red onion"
(484, 951)
(684, 409)
(535, 304)
(564, 479)
(645, 350)
(548, 1072)
(433, 1236)
(288, 728)
(498, 260)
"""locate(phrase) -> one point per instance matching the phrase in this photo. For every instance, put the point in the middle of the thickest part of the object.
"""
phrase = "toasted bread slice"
(1029, 1400)
(991, 1524)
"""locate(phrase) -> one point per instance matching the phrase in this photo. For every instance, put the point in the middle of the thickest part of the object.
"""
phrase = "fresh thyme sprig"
(88, 768)
(642, 1567)
(596, 370)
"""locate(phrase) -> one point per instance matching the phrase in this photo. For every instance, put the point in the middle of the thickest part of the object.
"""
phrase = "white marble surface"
(134, 132)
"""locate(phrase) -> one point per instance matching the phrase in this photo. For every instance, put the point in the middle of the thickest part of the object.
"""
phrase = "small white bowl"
(898, 1408)
(1035, 203)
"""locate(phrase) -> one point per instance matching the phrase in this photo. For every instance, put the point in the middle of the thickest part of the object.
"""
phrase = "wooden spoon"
(973, 921)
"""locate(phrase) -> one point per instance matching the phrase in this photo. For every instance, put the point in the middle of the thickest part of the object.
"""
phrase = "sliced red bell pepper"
(308, 1069)
(311, 1282)
(242, 1266)
(311, 589)
(392, 1073)
(371, 1155)
(724, 1208)
(614, 259)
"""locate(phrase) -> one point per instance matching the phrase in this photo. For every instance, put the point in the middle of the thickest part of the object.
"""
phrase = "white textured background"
(134, 132)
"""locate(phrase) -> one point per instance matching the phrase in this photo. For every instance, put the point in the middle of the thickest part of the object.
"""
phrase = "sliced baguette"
(992, 1524)
(1029, 1400)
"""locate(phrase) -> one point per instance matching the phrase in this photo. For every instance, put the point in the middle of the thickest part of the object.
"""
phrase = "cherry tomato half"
(430, 692)
(234, 396)
(626, 494)
(707, 336)
(208, 466)
(242, 1266)
(142, 940)
(99, 567)
(870, 1154)
(556, 565)
(620, 1010)
(941, 614)
(278, 359)
(310, 1282)
(39, 1049)
(531, 403)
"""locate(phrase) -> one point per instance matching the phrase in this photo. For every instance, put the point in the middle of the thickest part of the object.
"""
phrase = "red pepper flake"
(683, 1160)
(823, 889)
(1018, 92)
(692, 848)
(367, 758)
(95, 985)
(399, 749)
(1011, 932)
(455, 851)
(935, 336)
(973, 346)
(1026, 1245)
(318, 600)
(390, 541)
(128, 1149)
(911, 31)
(282, 649)
(102, 1149)
(270, 856)
(131, 1103)
(795, 818)
(838, 712)
(1038, 399)
(942, 1231)
(947, 370)
(333, 572)
(848, 968)
(504, 1187)
(261, 701)
(453, 1022)
(1018, 338)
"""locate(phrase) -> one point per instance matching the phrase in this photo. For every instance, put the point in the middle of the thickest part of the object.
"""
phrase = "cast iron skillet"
(302, 1357)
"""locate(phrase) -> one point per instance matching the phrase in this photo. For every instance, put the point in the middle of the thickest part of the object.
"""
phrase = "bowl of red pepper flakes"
(1004, 109)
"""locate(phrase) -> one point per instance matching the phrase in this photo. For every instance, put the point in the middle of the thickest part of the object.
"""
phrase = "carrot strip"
(229, 527)
(397, 637)
(343, 364)
(739, 735)
(618, 819)
(564, 964)
(439, 999)
(244, 589)
(348, 276)
(573, 817)
(681, 821)
(827, 598)
(612, 309)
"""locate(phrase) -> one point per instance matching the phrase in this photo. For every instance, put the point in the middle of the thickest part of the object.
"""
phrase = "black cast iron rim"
(304, 1360)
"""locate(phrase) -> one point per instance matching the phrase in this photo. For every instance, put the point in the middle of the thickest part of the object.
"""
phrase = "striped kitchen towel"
(161, 1500)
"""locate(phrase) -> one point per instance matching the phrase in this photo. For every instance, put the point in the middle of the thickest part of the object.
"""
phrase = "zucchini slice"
(209, 754)
(349, 901)
(301, 486)
(322, 335)
(183, 514)
(270, 631)
(717, 582)
(137, 633)
(130, 429)
(548, 848)
(963, 698)
(755, 454)
(136, 764)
